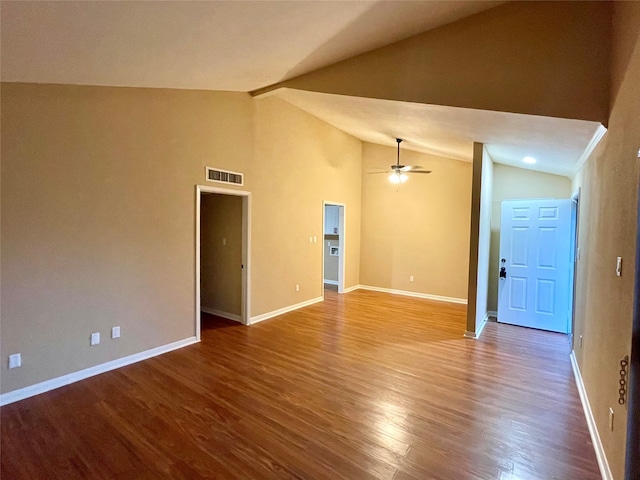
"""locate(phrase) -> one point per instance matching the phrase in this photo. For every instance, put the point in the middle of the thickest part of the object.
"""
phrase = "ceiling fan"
(398, 172)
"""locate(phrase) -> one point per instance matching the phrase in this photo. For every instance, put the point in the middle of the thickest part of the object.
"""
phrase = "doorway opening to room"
(333, 246)
(222, 255)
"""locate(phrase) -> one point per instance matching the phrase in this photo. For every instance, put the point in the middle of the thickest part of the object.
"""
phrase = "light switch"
(95, 338)
(619, 266)
(611, 419)
(224, 240)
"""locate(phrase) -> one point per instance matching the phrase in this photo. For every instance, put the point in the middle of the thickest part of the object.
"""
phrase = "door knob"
(503, 272)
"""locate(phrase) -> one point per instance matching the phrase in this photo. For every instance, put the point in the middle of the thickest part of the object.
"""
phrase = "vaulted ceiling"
(207, 45)
(245, 46)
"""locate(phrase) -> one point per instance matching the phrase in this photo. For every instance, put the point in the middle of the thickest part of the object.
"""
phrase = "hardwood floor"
(362, 386)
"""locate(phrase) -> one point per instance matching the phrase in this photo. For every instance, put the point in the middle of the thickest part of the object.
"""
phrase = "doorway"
(222, 254)
(333, 245)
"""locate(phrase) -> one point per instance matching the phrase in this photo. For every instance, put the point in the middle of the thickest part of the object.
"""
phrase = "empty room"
(319, 240)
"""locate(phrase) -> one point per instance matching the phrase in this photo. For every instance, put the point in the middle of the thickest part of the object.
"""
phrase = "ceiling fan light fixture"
(397, 177)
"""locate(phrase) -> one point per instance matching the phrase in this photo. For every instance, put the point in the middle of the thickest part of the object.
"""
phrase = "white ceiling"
(243, 46)
(557, 144)
(209, 45)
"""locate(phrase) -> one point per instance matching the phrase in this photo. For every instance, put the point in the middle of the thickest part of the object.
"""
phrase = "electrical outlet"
(411, 278)
(95, 338)
(115, 332)
(15, 360)
(611, 419)
(297, 288)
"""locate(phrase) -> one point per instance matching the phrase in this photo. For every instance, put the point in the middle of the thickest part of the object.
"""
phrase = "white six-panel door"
(535, 251)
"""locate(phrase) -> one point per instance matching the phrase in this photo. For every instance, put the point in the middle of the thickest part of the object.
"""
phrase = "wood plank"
(365, 385)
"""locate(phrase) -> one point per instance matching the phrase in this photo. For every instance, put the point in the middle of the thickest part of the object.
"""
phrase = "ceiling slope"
(557, 144)
(537, 58)
(210, 45)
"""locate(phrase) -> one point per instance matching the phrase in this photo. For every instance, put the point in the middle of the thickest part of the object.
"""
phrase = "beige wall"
(511, 183)
(98, 208)
(541, 58)
(221, 253)
(608, 214)
(301, 162)
(419, 228)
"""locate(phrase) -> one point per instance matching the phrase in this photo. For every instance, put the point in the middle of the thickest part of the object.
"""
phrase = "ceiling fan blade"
(419, 171)
(409, 168)
(381, 171)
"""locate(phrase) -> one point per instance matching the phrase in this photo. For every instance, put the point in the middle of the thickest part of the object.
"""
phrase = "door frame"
(575, 232)
(245, 304)
(342, 241)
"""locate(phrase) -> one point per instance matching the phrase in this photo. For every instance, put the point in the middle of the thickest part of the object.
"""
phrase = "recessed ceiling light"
(529, 160)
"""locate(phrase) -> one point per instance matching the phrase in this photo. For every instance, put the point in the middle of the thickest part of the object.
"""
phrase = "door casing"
(245, 309)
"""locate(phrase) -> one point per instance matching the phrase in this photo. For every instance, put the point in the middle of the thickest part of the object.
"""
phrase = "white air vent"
(224, 176)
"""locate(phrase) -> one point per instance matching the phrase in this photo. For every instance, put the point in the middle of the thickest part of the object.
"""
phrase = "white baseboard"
(351, 289)
(479, 328)
(220, 313)
(492, 313)
(330, 282)
(483, 323)
(280, 311)
(428, 296)
(605, 471)
(54, 383)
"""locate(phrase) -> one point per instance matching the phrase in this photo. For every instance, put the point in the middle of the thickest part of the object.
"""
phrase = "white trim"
(58, 382)
(351, 289)
(330, 282)
(597, 136)
(246, 251)
(219, 313)
(605, 471)
(483, 323)
(428, 296)
(492, 313)
(576, 195)
(476, 335)
(281, 311)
